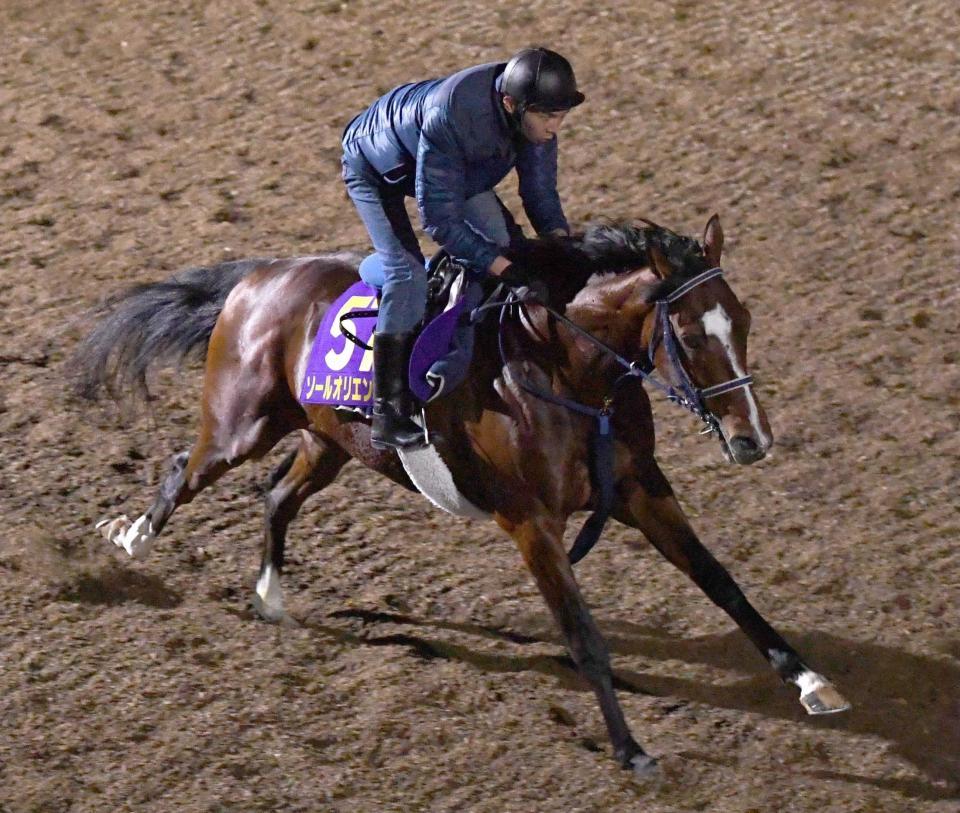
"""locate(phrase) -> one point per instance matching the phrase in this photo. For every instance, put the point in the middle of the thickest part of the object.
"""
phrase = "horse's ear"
(713, 241)
(658, 263)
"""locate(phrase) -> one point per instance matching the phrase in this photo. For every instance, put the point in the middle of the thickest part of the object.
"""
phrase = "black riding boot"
(392, 402)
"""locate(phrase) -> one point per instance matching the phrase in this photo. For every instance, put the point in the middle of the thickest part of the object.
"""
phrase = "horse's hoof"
(113, 530)
(133, 538)
(268, 597)
(271, 613)
(634, 759)
(824, 699)
(138, 541)
(643, 767)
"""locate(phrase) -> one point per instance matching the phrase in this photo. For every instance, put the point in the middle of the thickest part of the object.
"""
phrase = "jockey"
(448, 142)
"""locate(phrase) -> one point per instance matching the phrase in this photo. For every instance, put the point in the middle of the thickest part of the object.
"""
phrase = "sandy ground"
(139, 137)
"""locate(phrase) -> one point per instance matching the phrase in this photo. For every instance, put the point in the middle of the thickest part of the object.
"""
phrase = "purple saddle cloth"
(340, 373)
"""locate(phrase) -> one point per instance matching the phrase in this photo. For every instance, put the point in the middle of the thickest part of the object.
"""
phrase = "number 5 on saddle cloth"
(339, 372)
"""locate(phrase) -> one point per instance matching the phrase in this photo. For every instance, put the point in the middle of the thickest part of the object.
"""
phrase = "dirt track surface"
(137, 138)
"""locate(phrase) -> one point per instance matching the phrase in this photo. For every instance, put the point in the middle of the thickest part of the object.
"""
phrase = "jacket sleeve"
(441, 169)
(537, 169)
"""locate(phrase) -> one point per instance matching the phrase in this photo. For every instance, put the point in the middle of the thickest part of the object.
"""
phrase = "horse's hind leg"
(651, 507)
(244, 426)
(137, 538)
(307, 470)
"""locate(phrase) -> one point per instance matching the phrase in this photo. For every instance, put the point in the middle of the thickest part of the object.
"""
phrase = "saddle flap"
(438, 341)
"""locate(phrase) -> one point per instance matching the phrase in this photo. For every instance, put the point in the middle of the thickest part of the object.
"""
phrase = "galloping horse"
(516, 436)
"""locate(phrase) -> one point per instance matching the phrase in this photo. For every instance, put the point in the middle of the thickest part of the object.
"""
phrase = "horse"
(624, 301)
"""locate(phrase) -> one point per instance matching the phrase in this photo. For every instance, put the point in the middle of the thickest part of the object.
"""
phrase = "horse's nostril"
(745, 449)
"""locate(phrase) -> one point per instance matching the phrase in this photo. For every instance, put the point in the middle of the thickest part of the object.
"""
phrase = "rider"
(448, 142)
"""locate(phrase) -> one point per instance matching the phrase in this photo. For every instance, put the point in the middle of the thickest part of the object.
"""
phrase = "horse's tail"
(153, 322)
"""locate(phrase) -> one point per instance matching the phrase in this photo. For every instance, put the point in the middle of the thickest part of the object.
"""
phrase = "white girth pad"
(432, 478)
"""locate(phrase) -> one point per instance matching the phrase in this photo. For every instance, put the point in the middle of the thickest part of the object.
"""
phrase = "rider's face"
(538, 126)
(542, 127)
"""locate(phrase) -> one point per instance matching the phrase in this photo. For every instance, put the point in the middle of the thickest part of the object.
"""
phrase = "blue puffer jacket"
(446, 140)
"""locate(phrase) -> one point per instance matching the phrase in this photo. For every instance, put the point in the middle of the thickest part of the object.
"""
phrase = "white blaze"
(716, 323)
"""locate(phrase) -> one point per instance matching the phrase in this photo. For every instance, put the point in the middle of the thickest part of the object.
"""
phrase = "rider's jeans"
(383, 211)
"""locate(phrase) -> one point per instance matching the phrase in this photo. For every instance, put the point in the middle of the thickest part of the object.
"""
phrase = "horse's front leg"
(540, 542)
(650, 506)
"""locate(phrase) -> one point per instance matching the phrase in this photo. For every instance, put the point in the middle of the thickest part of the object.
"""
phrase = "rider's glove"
(524, 284)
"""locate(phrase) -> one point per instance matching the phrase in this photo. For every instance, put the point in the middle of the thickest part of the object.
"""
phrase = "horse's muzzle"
(745, 450)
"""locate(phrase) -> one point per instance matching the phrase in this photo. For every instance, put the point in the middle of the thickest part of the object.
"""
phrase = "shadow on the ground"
(910, 701)
(119, 585)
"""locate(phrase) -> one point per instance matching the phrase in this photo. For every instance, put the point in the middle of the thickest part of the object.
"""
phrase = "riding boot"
(392, 401)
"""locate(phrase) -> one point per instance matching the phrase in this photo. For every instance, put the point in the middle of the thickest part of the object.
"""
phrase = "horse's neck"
(610, 308)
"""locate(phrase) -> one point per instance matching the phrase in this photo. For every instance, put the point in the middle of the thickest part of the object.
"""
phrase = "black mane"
(566, 263)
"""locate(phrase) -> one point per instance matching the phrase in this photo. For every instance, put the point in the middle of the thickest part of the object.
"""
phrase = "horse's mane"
(566, 264)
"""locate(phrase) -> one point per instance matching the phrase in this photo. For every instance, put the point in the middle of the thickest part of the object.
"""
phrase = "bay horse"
(515, 436)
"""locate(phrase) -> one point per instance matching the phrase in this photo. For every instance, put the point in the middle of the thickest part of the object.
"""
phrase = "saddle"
(442, 272)
(339, 370)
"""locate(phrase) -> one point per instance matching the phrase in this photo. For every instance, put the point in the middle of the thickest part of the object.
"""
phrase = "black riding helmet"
(542, 80)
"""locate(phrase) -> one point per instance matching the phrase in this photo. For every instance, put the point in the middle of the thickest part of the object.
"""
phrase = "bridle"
(686, 393)
(683, 393)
